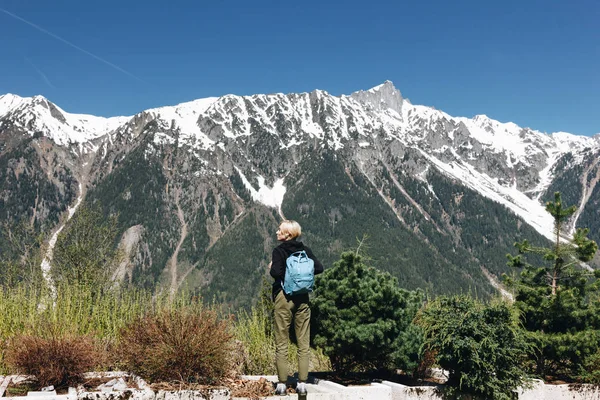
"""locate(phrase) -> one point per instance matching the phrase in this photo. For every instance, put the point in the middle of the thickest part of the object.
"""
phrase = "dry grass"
(58, 359)
(186, 344)
(251, 389)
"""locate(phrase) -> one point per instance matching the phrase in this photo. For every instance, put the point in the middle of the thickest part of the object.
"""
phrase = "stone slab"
(42, 394)
(403, 392)
(323, 390)
(4, 382)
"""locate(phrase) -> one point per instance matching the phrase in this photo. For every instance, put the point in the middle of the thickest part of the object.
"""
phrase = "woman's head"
(288, 230)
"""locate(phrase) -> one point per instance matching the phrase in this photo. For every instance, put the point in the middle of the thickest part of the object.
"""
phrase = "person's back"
(290, 307)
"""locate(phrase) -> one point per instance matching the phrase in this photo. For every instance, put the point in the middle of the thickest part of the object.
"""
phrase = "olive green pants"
(296, 309)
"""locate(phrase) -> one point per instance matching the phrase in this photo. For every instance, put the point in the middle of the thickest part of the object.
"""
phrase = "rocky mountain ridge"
(210, 163)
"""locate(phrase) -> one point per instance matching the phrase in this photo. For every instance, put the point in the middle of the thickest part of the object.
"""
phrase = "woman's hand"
(269, 266)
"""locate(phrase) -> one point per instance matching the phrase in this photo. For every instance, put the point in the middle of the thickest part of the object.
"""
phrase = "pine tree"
(361, 316)
(559, 299)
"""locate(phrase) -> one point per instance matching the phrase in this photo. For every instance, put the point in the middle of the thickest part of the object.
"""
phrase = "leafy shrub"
(362, 318)
(186, 344)
(480, 345)
(58, 360)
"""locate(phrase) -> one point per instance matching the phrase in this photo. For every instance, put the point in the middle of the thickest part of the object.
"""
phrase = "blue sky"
(536, 63)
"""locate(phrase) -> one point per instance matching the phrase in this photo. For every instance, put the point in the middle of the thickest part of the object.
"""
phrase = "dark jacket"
(279, 257)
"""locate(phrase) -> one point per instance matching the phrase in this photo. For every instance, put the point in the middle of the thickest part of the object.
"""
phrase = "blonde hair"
(291, 228)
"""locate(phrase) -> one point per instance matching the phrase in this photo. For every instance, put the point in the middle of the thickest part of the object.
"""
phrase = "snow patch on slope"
(567, 142)
(270, 197)
(503, 137)
(530, 210)
(185, 117)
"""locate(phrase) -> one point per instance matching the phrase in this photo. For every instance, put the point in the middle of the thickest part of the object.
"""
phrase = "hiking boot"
(301, 388)
(280, 390)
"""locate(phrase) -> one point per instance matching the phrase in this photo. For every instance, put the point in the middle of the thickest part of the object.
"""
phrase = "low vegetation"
(362, 321)
(54, 358)
(189, 344)
(256, 346)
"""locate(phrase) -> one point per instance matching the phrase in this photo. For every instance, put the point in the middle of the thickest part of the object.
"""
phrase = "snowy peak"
(569, 142)
(381, 97)
(184, 117)
(507, 138)
(296, 118)
(9, 102)
(37, 114)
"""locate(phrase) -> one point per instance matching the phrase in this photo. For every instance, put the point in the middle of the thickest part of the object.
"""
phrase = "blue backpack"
(299, 274)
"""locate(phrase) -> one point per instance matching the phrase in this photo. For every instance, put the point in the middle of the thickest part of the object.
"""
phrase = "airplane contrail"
(40, 72)
(39, 28)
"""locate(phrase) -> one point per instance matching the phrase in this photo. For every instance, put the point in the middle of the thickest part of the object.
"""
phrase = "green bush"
(362, 319)
(592, 369)
(480, 345)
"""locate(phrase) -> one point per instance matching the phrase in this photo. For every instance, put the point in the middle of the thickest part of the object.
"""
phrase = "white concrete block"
(106, 374)
(42, 394)
(331, 386)
(317, 392)
(403, 392)
(534, 391)
(130, 394)
(270, 378)
(374, 391)
(572, 391)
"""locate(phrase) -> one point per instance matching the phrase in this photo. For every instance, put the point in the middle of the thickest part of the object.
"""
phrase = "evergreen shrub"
(362, 319)
(480, 345)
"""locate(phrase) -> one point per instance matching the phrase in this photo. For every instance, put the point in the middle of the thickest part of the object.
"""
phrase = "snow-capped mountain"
(37, 114)
(210, 162)
(459, 146)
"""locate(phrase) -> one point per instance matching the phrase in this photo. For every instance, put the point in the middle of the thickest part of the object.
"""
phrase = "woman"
(288, 308)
